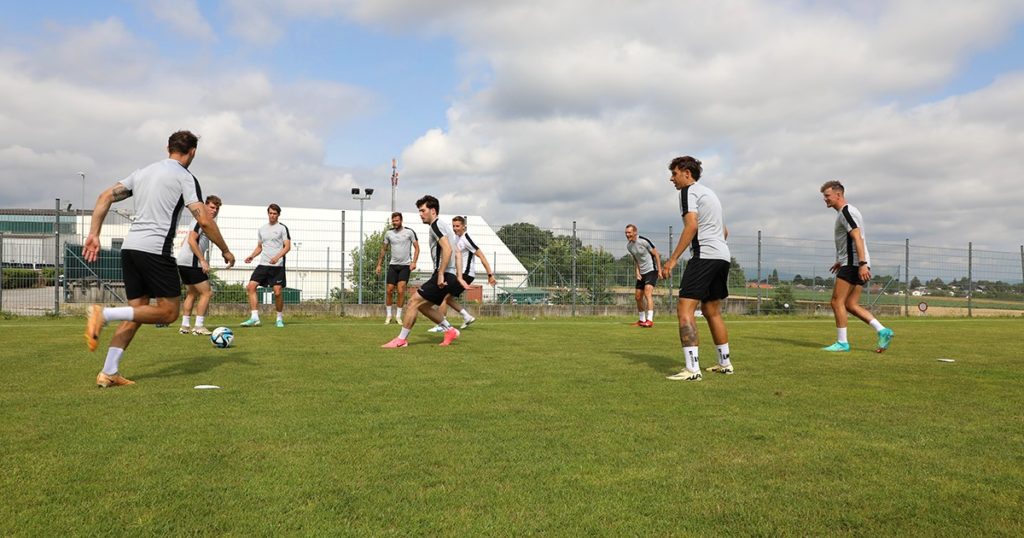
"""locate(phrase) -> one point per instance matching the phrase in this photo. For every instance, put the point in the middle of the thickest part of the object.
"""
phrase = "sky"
(547, 111)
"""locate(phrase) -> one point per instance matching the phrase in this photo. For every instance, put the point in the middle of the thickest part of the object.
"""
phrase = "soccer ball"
(222, 337)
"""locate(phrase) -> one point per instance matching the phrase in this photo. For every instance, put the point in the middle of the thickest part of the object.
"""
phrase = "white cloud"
(184, 18)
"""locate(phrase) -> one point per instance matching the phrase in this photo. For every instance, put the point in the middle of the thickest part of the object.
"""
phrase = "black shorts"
(851, 274)
(705, 280)
(431, 292)
(149, 275)
(192, 275)
(269, 275)
(647, 279)
(469, 280)
(398, 273)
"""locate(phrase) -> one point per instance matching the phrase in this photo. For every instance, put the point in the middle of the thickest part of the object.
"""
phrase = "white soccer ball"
(222, 337)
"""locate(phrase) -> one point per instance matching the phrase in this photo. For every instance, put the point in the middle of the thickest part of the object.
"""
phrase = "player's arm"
(193, 245)
(689, 232)
(256, 251)
(725, 230)
(210, 228)
(657, 259)
(106, 198)
(487, 267)
(415, 254)
(380, 257)
(864, 271)
(458, 268)
(636, 267)
(446, 256)
(283, 252)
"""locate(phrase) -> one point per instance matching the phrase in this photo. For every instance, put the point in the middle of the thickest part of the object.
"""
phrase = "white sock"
(723, 354)
(255, 314)
(650, 315)
(119, 313)
(445, 325)
(876, 325)
(465, 314)
(841, 335)
(280, 316)
(185, 321)
(404, 333)
(398, 312)
(692, 364)
(113, 360)
(642, 315)
(200, 320)
(388, 309)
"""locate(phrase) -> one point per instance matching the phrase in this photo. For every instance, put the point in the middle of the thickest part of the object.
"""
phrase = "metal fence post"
(56, 257)
(906, 280)
(573, 252)
(759, 272)
(341, 295)
(668, 281)
(970, 278)
(327, 294)
(2, 271)
(1021, 266)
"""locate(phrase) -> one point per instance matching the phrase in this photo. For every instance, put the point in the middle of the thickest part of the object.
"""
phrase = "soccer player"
(273, 243)
(405, 250)
(647, 263)
(161, 190)
(852, 269)
(466, 249)
(194, 270)
(443, 281)
(705, 279)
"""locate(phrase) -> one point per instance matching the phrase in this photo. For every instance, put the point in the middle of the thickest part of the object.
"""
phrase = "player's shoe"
(685, 375)
(184, 330)
(396, 342)
(93, 325)
(449, 336)
(637, 323)
(250, 323)
(387, 321)
(838, 346)
(884, 339)
(719, 369)
(436, 329)
(279, 324)
(201, 331)
(648, 324)
(104, 381)
(468, 322)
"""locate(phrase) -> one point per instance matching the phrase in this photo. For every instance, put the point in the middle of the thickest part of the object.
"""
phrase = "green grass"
(555, 427)
(825, 296)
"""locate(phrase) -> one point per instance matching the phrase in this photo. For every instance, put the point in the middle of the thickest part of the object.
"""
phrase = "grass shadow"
(789, 341)
(197, 365)
(663, 364)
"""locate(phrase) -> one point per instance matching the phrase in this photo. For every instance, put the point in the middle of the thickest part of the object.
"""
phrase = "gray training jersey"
(272, 237)
(440, 229)
(401, 245)
(161, 191)
(187, 258)
(847, 219)
(467, 249)
(709, 241)
(640, 250)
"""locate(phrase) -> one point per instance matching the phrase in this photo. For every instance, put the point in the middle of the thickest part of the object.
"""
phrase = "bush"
(23, 278)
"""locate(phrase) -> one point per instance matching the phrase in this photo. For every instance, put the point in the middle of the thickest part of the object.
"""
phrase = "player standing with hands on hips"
(852, 269)
(161, 191)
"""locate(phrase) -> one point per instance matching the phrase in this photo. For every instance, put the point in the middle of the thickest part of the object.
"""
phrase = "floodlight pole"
(81, 229)
(362, 196)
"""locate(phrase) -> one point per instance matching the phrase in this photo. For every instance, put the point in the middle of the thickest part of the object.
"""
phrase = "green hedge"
(23, 278)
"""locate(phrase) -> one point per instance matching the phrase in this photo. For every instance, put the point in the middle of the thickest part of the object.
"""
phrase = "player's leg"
(164, 311)
(712, 311)
(389, 300)
(649, 303)
(641, 312)
(250, 291)
(841, 291)
(853, 306)
(205, 291)
(279, 304)
(686, 309)
(401, 284)
(186, 307)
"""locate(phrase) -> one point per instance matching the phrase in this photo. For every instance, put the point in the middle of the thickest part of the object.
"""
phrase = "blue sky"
(543, 111)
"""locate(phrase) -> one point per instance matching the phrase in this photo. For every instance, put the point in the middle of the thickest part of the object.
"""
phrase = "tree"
(783, 300)
(526, 241)
(373, 284)
(736, 277)
(774, 278)
(915, 283)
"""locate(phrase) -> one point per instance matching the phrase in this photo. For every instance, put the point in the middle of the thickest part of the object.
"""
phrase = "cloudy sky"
(542, 111)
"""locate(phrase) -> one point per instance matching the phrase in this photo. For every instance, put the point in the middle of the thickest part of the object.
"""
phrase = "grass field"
(554, 427)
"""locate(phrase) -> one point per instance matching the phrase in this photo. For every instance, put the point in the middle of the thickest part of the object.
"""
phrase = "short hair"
(459, 218)
(834, 185)
(430, 202)
(215, 199)
(687, 163)
(397, 214)
(182, 142)
(633, 226)
(275, 207)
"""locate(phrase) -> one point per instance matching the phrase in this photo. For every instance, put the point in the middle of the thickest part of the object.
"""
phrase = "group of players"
(164, 188)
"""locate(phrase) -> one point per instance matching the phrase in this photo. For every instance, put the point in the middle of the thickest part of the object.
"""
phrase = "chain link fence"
(548, 271)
